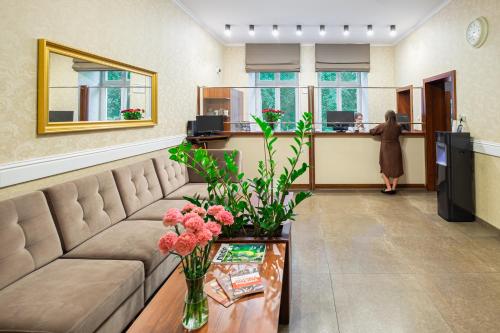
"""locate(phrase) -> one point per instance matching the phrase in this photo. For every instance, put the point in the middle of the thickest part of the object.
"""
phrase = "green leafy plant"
(263, 201)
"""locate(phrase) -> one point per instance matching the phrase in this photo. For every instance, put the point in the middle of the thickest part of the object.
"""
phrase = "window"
(339, 91)
(117, 92)
(284, 98)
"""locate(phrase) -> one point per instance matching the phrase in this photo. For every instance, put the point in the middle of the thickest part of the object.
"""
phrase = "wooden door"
(438, 113)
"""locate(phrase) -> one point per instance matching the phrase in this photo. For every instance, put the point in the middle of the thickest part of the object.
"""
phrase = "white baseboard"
(24, 171)
(486, 147)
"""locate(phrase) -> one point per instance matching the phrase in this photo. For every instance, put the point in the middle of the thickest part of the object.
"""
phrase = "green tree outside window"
(113, 103)
(328, 103)
(349, 100)
(266, 76)
(287, 102)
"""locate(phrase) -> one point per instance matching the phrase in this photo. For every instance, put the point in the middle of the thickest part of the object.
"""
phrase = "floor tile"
(384, 303)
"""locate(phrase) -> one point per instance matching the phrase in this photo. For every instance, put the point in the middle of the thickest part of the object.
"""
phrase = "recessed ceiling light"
(298, 31)
(275, 30)
(251, 30)
(346, 30)
(393, 31)
(227, 30)
(322, 30)
(369, 30)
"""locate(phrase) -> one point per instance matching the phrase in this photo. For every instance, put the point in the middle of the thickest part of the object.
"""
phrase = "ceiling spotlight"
(227, 30)
(369, 30)
(322, 30)
(275, 30)
(393, 31)
(346, 30)
(298, 31)
(251, 30)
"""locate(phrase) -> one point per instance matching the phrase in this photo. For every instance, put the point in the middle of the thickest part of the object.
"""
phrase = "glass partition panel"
(336, 108)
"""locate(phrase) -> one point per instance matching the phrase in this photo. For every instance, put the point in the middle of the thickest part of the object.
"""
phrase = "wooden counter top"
(323, 134)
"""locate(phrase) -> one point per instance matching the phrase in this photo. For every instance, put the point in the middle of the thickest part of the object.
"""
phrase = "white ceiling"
(405, 14)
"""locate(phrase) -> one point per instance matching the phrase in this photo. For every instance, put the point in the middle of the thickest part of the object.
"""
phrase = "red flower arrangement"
(132, 114)
(271, 115)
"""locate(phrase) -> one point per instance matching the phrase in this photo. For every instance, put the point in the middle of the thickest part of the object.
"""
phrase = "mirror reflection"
(81, 91)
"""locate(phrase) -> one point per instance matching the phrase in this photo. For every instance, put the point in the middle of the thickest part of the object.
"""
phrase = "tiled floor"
(366, 262)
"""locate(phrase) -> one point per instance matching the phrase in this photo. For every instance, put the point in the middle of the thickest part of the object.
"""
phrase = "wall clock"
(477, 31)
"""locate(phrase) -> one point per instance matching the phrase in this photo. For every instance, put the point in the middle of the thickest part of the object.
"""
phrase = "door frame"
(430, 181)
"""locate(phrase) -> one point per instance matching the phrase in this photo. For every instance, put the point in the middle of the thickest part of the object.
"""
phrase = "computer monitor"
(60, 116)
(340, 117)
(209, 124)
(403, 118)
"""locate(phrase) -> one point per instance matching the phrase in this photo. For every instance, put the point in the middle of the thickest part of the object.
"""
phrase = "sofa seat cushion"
(127, 240)
(190, 190)
(157, 209)
(68, 295)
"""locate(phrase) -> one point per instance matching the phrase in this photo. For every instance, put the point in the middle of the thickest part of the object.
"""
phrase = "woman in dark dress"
(390, 159)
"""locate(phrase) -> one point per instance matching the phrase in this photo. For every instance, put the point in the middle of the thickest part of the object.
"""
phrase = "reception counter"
(338, 160)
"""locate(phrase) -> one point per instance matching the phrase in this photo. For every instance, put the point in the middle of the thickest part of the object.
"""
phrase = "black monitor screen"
(209, 124)
(60, 116)
(403, 118)
(340, 117)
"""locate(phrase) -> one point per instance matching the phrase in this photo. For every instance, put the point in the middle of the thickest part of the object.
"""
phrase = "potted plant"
(260, 205)
(272, 116)
(193, 231)
(132, 114)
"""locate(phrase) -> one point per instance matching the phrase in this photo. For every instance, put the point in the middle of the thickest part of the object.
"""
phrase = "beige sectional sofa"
(82, 256)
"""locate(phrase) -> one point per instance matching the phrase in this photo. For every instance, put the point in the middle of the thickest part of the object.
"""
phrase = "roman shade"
(80, 65)
(342, 57)
(272, 58)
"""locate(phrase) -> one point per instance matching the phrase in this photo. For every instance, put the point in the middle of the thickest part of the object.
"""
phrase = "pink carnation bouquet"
(193, 230)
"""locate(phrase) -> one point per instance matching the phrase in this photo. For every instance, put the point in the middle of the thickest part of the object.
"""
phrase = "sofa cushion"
(68, 295)
(190, 190)
(28, 237)
(157, 209)
(171, 174)
(138, 185)
(84, 207)
(127, 240)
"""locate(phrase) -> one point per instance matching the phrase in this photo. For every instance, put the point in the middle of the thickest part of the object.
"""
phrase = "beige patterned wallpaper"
(154, 34)
(440, 46)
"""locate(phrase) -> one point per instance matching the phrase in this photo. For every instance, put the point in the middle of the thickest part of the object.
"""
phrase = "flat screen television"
(206, 125)
(403, 118)
(344, 120)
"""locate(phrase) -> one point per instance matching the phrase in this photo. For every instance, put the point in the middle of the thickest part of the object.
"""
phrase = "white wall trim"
(486, 147)
(27, 170)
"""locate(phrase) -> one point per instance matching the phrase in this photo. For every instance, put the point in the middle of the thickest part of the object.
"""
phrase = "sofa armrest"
(218, 154)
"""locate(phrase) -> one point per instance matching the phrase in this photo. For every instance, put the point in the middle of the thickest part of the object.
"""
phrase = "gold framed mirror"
(80, 91)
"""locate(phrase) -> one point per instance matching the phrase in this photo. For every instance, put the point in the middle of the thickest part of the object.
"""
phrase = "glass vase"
(195, 304)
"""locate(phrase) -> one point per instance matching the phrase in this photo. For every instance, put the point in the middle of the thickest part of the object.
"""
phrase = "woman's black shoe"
(388, 192)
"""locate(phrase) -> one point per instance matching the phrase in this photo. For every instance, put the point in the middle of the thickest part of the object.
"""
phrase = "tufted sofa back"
(84, 207)
(172, 175)
(28, 237)
(138, 185)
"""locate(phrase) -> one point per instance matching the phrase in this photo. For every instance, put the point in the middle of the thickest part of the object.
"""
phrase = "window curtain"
(272, 58)
(342, 57)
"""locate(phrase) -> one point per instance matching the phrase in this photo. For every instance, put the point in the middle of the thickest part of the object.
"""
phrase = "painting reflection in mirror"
(84, 91)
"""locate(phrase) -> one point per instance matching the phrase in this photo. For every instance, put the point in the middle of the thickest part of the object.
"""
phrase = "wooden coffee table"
(255, 313)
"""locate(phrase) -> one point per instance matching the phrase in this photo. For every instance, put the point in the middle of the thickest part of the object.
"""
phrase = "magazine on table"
(215, 291)
(240, 253)
(246, 281)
